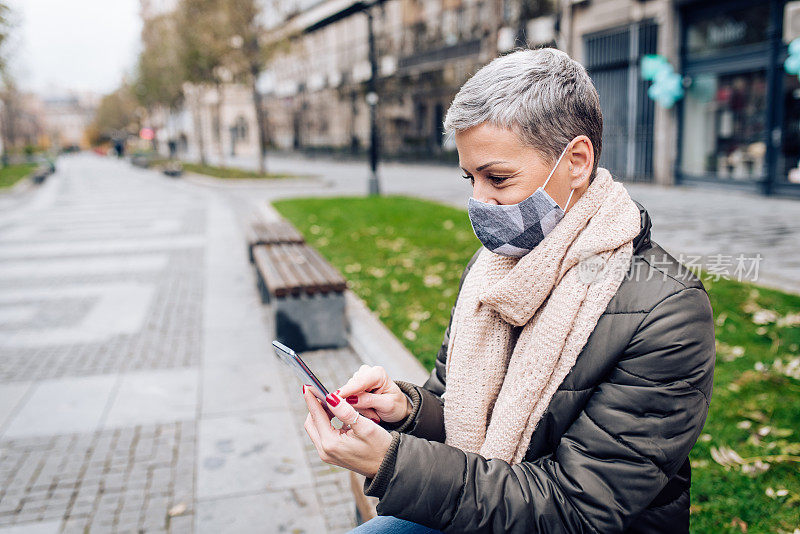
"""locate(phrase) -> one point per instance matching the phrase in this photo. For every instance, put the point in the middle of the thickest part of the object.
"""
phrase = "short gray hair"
(543, 95)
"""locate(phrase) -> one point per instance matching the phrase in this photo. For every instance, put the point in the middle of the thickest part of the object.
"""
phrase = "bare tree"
(159, 73)
(204, 49)
(8, 86)
(254, 47)
(116, 116)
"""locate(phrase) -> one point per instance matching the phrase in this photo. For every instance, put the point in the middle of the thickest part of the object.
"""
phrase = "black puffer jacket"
(609, 454)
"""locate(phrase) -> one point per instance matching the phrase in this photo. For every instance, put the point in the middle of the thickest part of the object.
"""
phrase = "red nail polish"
(337, 391)
(304, 389)
(376, 421)
(352, 399)
(332, 399)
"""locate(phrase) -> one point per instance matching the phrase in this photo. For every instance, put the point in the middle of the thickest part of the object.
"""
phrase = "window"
(724, 130)
(789, 156)
(240, 129)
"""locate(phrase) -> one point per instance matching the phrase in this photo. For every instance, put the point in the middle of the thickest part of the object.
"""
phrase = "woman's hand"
(375, 395)
(361, 448)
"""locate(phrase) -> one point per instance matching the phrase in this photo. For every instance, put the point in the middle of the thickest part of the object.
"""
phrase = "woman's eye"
(498, 179)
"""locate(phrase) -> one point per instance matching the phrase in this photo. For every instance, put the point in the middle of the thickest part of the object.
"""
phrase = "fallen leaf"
(178, 509)
(726, 457)
(738, 523)
(763, 316)
(792, 319)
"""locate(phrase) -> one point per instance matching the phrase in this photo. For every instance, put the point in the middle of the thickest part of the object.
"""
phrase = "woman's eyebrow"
(485, 165)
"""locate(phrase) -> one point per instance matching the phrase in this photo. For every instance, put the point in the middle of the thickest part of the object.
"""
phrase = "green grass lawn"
(405, 256)
(14, 173)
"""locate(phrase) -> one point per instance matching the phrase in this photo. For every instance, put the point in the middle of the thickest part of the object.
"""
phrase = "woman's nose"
(483, 193)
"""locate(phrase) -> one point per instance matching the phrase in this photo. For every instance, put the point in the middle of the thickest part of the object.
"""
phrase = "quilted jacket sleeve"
(630, 439)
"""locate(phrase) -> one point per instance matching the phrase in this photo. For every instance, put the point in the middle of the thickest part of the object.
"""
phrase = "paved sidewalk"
(687, 221)
(138, 391)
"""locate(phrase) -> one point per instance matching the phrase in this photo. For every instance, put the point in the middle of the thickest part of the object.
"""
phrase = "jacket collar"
(642, 240)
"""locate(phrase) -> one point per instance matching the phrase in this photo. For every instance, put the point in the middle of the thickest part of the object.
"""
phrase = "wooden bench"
(271, 233)
(307, 294)
(40, 174)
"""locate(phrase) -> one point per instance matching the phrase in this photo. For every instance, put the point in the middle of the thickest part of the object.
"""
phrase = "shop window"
(789, 157)
(723, 126)
(240, 128)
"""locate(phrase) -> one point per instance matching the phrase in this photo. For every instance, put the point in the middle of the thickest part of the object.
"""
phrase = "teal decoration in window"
(667, 87)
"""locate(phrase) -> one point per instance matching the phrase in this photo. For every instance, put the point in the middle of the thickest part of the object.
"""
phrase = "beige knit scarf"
(500, 379)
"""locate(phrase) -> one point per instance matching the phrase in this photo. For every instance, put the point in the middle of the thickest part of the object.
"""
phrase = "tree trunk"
(218, 112)
(198, 127)
(261, 120)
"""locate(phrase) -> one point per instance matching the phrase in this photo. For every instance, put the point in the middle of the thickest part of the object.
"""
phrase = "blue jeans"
(386, 524)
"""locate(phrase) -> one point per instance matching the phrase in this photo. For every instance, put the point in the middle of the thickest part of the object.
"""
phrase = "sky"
(84, 45)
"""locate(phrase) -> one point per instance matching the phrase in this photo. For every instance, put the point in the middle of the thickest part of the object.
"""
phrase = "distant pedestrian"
(119, 147)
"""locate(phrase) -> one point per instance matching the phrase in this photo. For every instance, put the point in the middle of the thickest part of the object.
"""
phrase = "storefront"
(739, 123)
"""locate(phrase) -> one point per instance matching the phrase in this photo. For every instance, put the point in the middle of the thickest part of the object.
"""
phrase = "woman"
(575, 375)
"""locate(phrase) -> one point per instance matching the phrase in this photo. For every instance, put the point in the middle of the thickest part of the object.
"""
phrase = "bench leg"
(311, 322)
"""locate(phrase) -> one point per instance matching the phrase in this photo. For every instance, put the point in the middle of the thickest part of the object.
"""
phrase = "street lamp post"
(372, 101)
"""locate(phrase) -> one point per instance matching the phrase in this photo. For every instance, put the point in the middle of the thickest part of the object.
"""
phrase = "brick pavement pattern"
(138, 391)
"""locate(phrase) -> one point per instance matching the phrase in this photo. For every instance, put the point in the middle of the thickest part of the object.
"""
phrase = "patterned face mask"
(515, 229)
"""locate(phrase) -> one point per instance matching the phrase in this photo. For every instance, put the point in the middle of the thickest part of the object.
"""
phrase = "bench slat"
(289, 282)
(292, 269)
(292, 262)
(333, 279)
(267, 269)
(260, 232)
(313, 269)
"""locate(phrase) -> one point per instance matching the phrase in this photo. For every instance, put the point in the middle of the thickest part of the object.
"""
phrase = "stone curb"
(233, 183)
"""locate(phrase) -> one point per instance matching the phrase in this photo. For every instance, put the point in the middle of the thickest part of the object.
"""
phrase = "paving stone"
(102, 497)
(241, 453)
(283, 511)
(62, 406)
(148, 397)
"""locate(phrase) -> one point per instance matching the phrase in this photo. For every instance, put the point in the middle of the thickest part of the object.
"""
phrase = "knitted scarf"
(500, 377)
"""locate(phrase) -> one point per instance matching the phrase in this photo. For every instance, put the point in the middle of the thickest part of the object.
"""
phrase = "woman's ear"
(581, 161)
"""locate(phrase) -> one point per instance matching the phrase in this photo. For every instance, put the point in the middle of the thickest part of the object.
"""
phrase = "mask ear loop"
(551, 174)
(568, 199)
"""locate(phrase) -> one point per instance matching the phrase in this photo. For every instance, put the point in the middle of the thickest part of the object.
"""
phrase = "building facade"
(65, 118)
(425, 50)
(737, 125)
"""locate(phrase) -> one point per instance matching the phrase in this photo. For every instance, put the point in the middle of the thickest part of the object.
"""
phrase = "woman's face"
(505, 171)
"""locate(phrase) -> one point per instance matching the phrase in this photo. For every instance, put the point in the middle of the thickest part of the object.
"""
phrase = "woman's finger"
(373, 400)
(347, 414)
(369, 413)
(311, 430)
(320, 419)
(366, 379)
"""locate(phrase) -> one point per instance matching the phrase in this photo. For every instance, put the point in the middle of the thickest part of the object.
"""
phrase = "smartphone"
(301, 370)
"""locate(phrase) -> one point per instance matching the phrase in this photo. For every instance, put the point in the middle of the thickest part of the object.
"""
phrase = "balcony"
(434, 57)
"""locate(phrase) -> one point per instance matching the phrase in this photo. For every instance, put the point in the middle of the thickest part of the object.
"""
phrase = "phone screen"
(301, 370)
